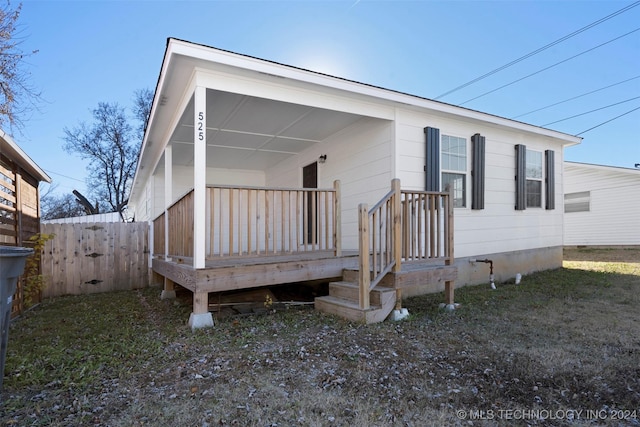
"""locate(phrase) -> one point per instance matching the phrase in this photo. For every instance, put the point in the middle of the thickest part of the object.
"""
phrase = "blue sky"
(103, 51)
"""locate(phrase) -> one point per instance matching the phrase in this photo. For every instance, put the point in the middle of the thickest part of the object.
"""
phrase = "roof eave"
(225, 57)
(16, 153)
(604, 167)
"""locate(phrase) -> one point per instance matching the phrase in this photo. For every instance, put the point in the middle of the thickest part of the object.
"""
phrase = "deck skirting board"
(245, 276)
(252, 276)
(431, 275)
(182, 274)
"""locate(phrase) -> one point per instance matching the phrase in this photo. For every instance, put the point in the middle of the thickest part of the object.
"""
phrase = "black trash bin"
(12, 260)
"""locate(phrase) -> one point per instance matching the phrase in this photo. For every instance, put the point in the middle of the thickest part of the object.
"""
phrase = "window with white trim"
(534, 179)
(577, 202)
(454, 168)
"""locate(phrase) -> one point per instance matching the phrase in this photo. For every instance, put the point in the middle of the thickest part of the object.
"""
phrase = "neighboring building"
(104, 217)
(601, 205)
(19, 199)
(260, 124)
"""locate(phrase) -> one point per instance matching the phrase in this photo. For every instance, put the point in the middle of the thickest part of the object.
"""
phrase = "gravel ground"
(562, 348)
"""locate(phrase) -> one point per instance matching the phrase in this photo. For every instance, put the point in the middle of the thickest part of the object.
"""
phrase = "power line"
(592, 111)
(550, 66)
(575, 97)
(535, 52)
(610, 120)
(65, 176)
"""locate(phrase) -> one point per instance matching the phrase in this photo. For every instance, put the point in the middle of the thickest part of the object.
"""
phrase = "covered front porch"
(256, 237)
(240, 175)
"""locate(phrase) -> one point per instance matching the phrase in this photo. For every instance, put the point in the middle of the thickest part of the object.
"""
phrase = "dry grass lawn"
(561, 348)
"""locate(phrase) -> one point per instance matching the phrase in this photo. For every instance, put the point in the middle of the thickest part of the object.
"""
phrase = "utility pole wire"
(575, 97)
(592, 111)
(535, 52)
(610, 120)
(65, 176)
(550, 66)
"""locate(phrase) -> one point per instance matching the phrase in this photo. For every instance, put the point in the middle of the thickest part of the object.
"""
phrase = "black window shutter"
(477, 171)
(432, 167)
(550, 182)
(521, 177)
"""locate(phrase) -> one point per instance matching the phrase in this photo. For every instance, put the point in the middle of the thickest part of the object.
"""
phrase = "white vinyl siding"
(359, 156)
(496, 228)
(614, 205)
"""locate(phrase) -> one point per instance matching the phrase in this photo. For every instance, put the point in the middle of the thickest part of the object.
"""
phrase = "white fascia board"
(380, 94)
(140, 177)
(151, 151)
(296, 95)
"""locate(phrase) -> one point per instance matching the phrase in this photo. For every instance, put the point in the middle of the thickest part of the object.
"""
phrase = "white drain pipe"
(490, 262)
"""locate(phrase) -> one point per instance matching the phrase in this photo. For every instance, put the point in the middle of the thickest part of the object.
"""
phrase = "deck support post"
(449, 285)
(398, 313)
(200, 317)
(169, 291)
(337, 219)
(449, 292)
(364, 272)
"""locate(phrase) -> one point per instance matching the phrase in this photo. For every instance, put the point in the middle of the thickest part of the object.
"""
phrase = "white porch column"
(168, 291)
(200, 317)
(199, 175)
(168, 194)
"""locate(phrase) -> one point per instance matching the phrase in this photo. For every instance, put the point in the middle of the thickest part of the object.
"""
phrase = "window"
(454, 168)
(577, 202)
(534, 179)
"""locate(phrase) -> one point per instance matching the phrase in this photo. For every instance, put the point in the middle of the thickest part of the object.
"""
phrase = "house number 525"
(200, 126)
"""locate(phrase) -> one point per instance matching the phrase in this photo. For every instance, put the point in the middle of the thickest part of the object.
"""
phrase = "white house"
(229, 132)
(601, 205)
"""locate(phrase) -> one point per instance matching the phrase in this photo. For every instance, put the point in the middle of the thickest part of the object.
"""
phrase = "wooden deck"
(233, 273)
(255, 237)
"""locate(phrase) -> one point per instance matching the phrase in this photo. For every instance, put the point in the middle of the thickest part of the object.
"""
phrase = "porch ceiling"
(245, 132)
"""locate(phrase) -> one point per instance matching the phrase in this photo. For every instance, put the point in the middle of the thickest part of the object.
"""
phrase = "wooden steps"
(343, 295)
(343, 301)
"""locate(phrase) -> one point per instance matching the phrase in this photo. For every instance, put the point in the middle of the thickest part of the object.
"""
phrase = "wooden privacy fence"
(95, 257)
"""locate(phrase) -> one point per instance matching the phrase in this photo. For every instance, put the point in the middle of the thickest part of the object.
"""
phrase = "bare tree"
(142, 100)
(110, 147)
(17, 97)
(56, 206)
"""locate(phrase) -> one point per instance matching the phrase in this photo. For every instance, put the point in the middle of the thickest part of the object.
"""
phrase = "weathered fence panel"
(98, 257)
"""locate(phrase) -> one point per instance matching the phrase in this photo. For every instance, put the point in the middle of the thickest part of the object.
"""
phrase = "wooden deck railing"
(180, 222)
(262, 221)
(158, 235)
(403, 226)
(250, 221)
(378, 229)
(427, 219)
